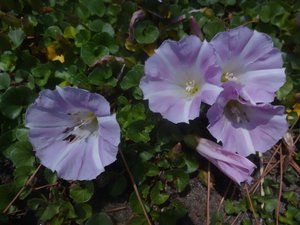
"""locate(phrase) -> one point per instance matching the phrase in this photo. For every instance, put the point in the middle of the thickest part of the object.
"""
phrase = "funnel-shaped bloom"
(249, 58)
(235, 166)
(179, 76)
(243, 127)
(73, 132)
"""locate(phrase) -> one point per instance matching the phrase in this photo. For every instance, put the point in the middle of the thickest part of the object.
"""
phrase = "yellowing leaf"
(52, 55)
(149, 49)
(295, 108)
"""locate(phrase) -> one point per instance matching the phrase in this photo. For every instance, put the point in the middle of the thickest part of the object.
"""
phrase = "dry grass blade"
(280, 187)
(208, 195)
(22, 189)
(225, 195)
(135, 187)
(251, 205)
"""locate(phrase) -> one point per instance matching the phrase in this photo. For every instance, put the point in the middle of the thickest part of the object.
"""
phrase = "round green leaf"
(100, 219)
(95, 7)
(50, 212)
(146, 32)
(4, 81)
(91, 52)
(7, 61)
(16, 37)
(82, 193)
(156, 196)
(84, 211)
(14, 99)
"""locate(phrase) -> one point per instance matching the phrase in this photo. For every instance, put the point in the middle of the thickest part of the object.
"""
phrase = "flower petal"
(245, 128)
(109, 129)
(235, 166)
(82, 99)
(260, 85)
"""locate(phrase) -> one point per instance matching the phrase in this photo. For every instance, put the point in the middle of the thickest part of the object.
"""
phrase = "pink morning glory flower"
(73, 132)
(233, 165)
(243, 127)
(249, 58)
(179, 76)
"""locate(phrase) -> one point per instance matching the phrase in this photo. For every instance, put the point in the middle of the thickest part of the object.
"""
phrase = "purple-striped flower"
(243, 127)
(235, 166)
(73, 132)
(249, 58)
(179, 76)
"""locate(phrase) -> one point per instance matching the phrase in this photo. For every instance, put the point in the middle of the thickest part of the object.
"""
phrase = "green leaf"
(7, 61)
(35, 203)
(4, 81)
(51, 210)
(53, 32)
(42, 73)
(118, 186)
(191, 163)
(156, 196)
(91, 52)
(285, 89)
(83, 36)
(182, 180)
(229, 207)
(96, 7)
(16, 37)
(146, 32)
(139, 131)
(135, 204)
(138, 220)
(22, 134)
(50, 176)
(152, 170)
(132, 77)
(270, 204)
(14, 99)
(22, 173)
(82, 193)
(100, 219)
(70, 32)
(211, 28)
(21, 154)
(84, 211)
(7, 192)
(100, 76)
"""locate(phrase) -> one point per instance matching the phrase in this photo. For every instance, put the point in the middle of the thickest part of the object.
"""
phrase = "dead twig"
(251, 205)
(22, 189)
(225, 195)
(135, 187)
(280, 187)
(115, 209)
(208, 195)
(45, 186)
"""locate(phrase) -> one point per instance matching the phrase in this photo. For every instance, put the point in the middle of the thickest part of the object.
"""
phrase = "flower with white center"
(179, 76)
(243, 127)
(73, 132)
(249, 58)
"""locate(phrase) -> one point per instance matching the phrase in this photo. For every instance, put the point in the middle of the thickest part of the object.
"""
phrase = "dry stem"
(22, 189)
(135, 187)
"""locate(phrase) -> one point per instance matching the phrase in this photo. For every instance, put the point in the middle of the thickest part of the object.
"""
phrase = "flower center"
(235, 113)
(85, 125)
(228, 76)
(191, 88)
